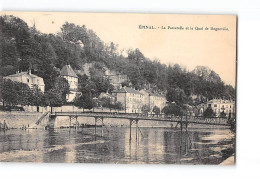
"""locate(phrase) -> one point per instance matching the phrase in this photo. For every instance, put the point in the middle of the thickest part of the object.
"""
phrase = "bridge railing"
(197, 119)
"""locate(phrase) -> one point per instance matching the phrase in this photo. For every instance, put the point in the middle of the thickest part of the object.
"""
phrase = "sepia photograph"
(118, 88)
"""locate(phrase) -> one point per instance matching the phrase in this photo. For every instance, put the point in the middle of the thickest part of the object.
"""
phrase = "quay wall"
(19, 119)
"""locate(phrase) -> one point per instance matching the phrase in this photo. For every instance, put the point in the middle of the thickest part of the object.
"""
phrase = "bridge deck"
(184, 119)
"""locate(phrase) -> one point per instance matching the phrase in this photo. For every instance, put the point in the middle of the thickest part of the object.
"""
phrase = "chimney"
(29, 71)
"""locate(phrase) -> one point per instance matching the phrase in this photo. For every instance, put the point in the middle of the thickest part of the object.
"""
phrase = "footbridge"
(134, 118)
(139, 116)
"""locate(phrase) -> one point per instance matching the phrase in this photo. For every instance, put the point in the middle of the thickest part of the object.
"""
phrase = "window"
(215, 105)
(28, 80)
(209, 105)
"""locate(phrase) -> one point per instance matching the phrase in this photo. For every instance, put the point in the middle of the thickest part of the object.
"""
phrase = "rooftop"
(127, 90)
(68, 71)
(23, 73)
(220, 101)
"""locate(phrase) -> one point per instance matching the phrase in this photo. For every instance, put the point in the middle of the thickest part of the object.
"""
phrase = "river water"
(151, 146)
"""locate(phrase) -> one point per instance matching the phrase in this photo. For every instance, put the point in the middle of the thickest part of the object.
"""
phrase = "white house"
(218, 106)
(27, 78)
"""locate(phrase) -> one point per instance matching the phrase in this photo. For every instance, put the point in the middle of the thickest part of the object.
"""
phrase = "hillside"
(23, 47)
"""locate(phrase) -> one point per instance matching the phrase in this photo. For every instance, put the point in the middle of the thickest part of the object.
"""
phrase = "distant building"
(68, 73)
(27, 78)
(131, 99)
(218, 106)
(107, 95)
(153, 99)
(115, 78)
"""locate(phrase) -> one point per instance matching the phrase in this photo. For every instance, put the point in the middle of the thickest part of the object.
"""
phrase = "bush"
(209, 112)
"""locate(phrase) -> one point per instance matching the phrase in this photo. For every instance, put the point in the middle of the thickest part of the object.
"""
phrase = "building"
(131, 99)
(157, 100)
(115, 78)
(68, 73)
(153, 99)
(218, 106)
(107, 95)
(27, 78)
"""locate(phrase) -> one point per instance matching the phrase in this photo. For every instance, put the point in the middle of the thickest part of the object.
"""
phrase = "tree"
(145, 109)
(156, 110)
(37, 97)
(56, 96)
(209, 112)
(53, 98)
(14, 93)
(87, 86)
(107, 103)
(176, 95)
(175, 109)
(62, 85)
(9, 93)
(118, 105)
(8, 56)
(24, 93)
(84, 101)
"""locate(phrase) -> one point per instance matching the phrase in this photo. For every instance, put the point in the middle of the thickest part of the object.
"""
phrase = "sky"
(189, 48)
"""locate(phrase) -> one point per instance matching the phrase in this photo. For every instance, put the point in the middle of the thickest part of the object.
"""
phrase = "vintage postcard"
(117, 88)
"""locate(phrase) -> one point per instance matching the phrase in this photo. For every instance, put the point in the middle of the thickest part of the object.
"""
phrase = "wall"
(18, 119)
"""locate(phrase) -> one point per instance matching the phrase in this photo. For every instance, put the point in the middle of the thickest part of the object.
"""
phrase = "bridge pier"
(102, 131)
(95, 126)
(102, 125)
(76, 121)
(52, 120)
(136, 128)
(130, 137)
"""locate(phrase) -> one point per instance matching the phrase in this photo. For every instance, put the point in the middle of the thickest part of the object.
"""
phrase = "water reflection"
(148, 145)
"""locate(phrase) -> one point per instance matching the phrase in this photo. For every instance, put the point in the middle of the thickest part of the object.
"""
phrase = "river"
(152, 146)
